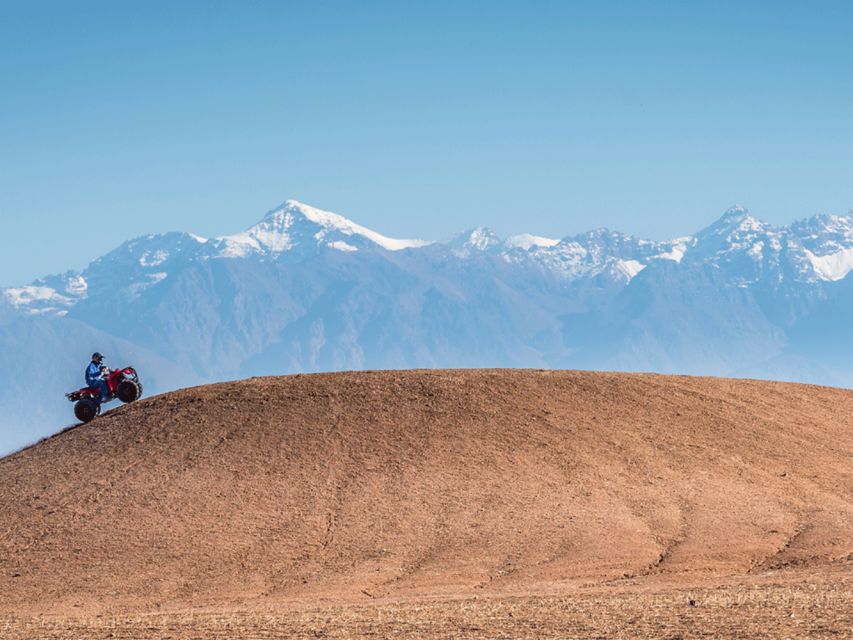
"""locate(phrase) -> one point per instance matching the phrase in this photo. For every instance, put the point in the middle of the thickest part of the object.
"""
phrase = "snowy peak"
(735, 212)
(752, 251)
(675, 249)
(295, 225)
(476, 240)
(745, 246)
(598, 253)
(152, 251)
(824, 234)
(143, 262)
(526, 242)
(53, 295)
(736, 220)
(827, 242)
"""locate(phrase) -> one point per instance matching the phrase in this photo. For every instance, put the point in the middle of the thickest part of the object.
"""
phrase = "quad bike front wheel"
(86, 409)
(129, 391)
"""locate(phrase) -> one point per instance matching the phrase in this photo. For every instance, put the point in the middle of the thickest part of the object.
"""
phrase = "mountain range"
(307, 290)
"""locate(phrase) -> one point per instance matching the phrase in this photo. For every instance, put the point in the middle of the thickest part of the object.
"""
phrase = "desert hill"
(400, 485)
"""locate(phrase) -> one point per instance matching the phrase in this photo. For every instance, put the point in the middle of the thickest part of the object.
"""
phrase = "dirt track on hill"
(411, 491)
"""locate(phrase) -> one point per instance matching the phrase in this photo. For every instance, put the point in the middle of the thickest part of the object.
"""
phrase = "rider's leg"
(105, 391)
(100, 387)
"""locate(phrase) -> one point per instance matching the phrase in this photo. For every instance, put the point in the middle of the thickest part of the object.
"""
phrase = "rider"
(95, 373)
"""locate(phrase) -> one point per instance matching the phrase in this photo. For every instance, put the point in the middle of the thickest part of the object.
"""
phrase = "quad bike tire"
(129, 391)
(86, 409)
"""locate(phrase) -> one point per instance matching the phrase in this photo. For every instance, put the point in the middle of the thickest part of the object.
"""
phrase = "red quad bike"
(122, 384)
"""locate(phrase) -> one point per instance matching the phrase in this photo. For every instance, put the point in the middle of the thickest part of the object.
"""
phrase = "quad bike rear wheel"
(86, 409)
(129, 391)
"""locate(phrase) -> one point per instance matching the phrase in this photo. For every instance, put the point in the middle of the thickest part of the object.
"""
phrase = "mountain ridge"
(830, 237)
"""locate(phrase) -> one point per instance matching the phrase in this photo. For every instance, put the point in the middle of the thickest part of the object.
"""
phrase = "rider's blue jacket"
(93, 374)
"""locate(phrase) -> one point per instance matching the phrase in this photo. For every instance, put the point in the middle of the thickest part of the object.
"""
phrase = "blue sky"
(416, 119)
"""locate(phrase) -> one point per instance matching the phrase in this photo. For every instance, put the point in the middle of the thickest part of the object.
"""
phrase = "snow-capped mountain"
(306, 290)
(296, 228)
(828, 244)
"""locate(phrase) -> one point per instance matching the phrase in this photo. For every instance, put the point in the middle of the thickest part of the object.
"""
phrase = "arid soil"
(493, 503)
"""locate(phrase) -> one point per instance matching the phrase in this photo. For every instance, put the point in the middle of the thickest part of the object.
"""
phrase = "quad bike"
(121, 383)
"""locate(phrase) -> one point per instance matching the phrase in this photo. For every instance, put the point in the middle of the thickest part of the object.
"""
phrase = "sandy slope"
(391, 487)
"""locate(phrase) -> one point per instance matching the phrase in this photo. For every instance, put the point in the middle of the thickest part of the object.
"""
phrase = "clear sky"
(416, 119)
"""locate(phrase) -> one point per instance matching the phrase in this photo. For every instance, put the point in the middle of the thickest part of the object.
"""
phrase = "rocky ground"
(495, 503)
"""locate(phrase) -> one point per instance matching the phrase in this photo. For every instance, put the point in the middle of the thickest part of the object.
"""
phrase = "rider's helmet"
(97, 357)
